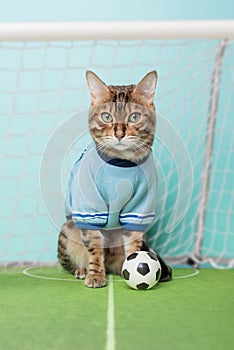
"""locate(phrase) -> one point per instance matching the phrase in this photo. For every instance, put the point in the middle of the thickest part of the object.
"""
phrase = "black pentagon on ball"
(126, 274)
(132, 256)
(142, 286)
(143, 268)
(158, 273)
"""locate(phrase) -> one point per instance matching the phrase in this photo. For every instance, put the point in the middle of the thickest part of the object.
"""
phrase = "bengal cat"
(111, 196)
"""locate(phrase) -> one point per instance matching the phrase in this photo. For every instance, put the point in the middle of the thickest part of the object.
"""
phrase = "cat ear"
(98, 89)
(145, 89)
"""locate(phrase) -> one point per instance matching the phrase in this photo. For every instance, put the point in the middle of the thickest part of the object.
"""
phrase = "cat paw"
(80, 274)
(95, 281)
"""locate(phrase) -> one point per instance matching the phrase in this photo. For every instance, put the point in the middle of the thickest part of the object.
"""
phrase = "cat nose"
(119, 131)
(119, 135)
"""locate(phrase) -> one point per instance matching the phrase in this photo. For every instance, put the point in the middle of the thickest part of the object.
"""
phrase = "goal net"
(44, 101)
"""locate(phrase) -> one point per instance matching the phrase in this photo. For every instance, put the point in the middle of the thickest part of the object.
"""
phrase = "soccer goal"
(43, 109)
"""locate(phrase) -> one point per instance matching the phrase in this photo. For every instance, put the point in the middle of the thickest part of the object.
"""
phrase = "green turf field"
(45, 313)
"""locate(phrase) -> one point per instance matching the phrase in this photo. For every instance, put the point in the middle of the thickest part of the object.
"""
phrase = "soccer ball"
(141, 270)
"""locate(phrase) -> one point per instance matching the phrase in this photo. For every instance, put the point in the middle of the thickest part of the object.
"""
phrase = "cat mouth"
(118, 145)
(121, 145)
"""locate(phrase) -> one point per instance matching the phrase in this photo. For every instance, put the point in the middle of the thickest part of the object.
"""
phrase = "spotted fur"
(90, 254)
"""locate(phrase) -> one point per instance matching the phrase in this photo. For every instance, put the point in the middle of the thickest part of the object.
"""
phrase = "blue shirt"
(111, 193)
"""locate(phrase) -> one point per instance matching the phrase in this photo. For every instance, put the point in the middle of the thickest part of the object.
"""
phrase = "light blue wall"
(76, 10)
(24, 140)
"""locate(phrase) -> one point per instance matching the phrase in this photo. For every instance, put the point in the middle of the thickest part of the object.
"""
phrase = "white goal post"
(42, 90)
(135, 30)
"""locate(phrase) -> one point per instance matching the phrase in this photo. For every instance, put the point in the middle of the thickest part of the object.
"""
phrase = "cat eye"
(134, 117)
(107, 117)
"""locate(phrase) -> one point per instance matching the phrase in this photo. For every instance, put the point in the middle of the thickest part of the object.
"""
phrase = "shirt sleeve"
(84, 203)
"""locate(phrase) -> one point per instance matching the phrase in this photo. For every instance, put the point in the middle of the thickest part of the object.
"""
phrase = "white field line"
(27, 273)
(110, 332)
(195, 272)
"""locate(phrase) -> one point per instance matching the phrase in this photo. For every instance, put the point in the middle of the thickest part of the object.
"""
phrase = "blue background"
(104, 10)
(26, 233)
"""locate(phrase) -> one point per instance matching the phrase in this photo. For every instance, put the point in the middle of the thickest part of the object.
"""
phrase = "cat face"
(122, 118)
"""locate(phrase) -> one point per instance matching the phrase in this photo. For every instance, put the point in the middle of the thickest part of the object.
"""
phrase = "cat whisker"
(142, 149)
(101, 148)
(105, 138)
(131, 138)
(142, 143)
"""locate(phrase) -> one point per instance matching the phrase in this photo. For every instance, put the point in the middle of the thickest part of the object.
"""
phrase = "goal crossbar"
(134, 30)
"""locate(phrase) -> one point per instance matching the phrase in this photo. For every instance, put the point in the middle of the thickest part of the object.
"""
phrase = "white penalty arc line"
(27, 273)
(195, 272)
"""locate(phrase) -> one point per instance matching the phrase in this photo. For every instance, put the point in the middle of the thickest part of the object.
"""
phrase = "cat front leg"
(133, 241)
(93, 241)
